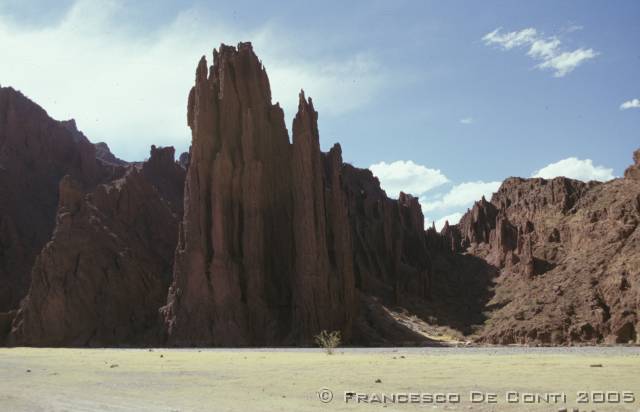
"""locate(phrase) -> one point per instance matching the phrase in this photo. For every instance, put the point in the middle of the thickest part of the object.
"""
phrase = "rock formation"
(278, 238)
(633, 172)
(568, 259)
(253, 239)
(35, 153)
(105, 273)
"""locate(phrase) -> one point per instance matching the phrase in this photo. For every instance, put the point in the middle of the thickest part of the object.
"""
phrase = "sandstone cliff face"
(35, 153)
(567, 256)
(275, 244)
(105, 273)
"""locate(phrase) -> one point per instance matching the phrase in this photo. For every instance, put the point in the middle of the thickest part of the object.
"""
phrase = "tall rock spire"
(266, 248)
(233, 259)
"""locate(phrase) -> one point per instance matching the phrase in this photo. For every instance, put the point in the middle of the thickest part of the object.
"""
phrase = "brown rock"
(35, 153)
(572, 276)
(106, 271)
(633, 172)
(278, 239)
(232, 280)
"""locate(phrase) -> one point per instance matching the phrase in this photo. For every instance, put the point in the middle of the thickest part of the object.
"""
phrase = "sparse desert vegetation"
(328, 341)
(283, 380)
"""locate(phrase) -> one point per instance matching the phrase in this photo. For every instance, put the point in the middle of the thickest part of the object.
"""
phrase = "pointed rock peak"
(201, 71)
(225, 52)
(633, 171)
(336, 149)
(164, 155)
(304, 104)
(70, 124)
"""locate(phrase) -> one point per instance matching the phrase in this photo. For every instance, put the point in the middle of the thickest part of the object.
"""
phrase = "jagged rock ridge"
(35, 153)
(102, 277)
(275, 234)
(567, 257)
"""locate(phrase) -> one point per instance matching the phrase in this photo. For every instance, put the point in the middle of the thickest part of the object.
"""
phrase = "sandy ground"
(290, 380)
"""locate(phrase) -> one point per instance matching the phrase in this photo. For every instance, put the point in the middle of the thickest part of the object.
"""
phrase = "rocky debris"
(567, 255)
(278, 237)
(105, 273)
(35, 153)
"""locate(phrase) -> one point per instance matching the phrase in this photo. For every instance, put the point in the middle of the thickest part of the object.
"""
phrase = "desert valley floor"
(295, 379)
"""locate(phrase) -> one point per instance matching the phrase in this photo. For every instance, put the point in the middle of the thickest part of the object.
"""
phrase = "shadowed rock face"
(568, 255)
(253, 239)
(266, 252)
(102, 277)
(35, 153)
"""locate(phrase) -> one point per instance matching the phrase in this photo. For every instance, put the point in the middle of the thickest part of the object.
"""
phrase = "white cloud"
(407, 176)
(130, 90)
(420, 181)
(460, 196)
(566, 62)
(547, 50)
(544, 49)
(575, 168)
(511, 39)
(630, 104)
(466, 120)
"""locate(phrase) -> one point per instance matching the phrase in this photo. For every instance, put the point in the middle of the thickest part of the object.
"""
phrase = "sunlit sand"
(290, 380)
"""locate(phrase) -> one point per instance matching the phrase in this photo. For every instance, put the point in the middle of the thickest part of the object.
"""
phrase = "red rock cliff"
(35, 153)
(274, 238)
(105, 273)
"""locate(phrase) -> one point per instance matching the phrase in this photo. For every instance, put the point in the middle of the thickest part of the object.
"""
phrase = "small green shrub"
(328, 340)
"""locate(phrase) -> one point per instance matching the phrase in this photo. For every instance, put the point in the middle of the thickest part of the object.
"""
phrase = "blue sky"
(449, 104)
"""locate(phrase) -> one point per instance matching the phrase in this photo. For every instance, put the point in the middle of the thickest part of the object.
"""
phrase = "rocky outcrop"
(278, 238)
(633, 172)
(323, 273)
(567, 255)
(104, 155)
(232, 280)
(105, 273)
(391, 259)
(251, 239)
(35, 153)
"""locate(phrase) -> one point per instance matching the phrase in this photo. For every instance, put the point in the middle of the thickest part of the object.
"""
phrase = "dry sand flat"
(289, 380)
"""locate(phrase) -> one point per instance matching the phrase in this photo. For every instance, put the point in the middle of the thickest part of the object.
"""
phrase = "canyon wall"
(567, 256)
(254, 238)
(105, 272)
